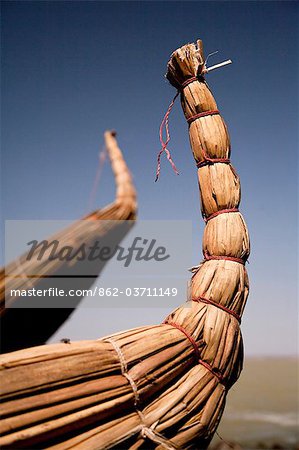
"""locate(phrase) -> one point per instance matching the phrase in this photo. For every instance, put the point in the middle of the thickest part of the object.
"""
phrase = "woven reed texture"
(162, 386)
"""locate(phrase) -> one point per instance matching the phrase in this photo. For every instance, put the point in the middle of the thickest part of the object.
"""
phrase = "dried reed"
(163, 386)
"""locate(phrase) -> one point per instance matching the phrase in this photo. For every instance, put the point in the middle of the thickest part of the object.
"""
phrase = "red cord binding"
(189, 81)
(222, 211)
(188, 336)
(218, 305)
(208, 160)
(196, 351)
(225, 258)
(202, 114)
(216, 374)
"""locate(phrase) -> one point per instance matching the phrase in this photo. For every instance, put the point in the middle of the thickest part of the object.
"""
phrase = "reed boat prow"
(154, 387)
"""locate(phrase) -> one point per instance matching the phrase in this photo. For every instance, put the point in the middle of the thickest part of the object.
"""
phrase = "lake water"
(262, 407)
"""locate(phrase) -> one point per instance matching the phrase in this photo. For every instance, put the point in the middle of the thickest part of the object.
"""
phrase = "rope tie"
(218, 305)
(165, 123)
(207, 160)
(145, 431)
(202, 114)
(218, 375)
(221, 211)
(196, 351)
(189, 81)
(208, 257)
(188, 336)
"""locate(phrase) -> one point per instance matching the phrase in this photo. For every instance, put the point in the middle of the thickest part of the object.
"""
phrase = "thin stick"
(217, 66)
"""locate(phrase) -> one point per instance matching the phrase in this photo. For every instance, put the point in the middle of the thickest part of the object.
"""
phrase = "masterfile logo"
(140, 250)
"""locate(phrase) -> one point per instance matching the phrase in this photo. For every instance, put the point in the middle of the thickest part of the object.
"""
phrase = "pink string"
(165, 123)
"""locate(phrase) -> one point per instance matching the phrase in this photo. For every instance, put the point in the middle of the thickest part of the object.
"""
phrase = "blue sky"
(70, 70)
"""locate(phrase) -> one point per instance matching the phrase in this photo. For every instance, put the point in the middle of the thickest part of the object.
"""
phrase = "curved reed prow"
(155, 387)
(124, 207)
(17, 329)
(226, 241)
(125, 190)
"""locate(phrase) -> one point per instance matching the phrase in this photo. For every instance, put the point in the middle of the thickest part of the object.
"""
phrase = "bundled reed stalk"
(42, 272)
(163, 386)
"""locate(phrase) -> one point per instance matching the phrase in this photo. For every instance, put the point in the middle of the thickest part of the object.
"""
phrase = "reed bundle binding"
(162, 386)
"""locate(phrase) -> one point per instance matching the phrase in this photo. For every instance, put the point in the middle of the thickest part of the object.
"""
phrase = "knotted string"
(165, 123)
